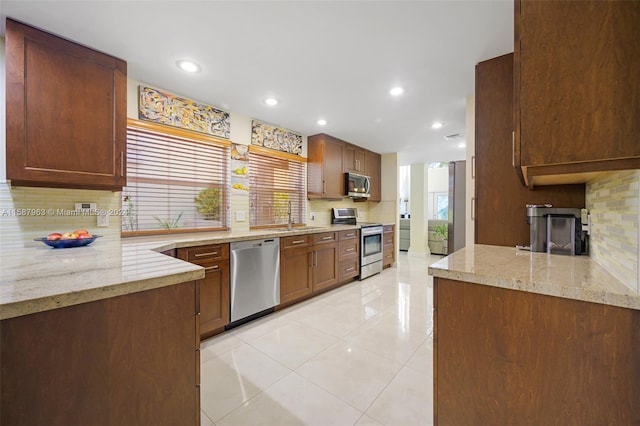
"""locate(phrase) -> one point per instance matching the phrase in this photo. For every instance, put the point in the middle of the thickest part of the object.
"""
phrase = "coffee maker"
(557, 230)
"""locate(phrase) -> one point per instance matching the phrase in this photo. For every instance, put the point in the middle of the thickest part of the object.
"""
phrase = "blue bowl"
(68, 243)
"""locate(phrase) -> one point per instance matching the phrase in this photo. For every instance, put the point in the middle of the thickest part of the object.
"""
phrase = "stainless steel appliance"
(556, 230)
(255, 278)
(357, 186)
(456, 213)
(370, 240)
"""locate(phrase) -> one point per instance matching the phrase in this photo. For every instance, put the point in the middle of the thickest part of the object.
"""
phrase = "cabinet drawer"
(205, 255)
(348, 235)
(347, 250)
(348, 269)
(295, 241)
(325, 237)
(387, 239)
(388, 229)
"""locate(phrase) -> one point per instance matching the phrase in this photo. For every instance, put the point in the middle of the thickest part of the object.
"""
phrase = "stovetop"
(348, 216)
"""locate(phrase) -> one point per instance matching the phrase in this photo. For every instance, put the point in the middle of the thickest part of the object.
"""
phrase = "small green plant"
(169, 224)
(442, 230)
(129, 222)
(208, 203)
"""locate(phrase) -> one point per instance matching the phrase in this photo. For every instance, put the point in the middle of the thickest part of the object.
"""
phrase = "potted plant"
(208, 203)
(443, 232)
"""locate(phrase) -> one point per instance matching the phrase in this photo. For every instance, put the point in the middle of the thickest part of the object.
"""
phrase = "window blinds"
(176, 181)
(276, 179)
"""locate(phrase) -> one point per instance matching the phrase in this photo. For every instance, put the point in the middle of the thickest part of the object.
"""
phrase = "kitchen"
(28, 198)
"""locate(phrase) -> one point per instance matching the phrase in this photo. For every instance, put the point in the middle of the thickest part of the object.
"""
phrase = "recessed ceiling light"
(271, 101)
(462, 145)
(396, 91)
(322, 122)
(436, 125)
(188, 66)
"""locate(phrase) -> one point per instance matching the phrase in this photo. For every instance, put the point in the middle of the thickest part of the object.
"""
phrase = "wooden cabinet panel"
(213, 289)
(83, 364)
(577, 91)
(354, 158)
(295, 241)
(512, 357)
(500, 216)
(324, 267)
(372, 169)
(348, 269)
(348, 235)
(324, 237)
(348, 249)
(325, 178)
(295, 272)
(66, 112)
(388, 246)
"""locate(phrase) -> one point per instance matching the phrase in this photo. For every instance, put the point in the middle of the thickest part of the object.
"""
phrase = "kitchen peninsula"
(532, 338)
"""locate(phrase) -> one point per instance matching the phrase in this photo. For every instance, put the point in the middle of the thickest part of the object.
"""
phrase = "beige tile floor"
(358, 355)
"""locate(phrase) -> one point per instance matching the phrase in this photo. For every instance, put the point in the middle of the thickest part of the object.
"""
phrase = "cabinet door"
(295, 271)
(66, 112)
(213, 290)
(577, 86)
(324, 266)
(325, 179)
(372, 170)
(354, 158)
(501, 216)
(388, 246)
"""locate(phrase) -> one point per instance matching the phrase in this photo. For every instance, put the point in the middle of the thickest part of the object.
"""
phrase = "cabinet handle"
(211, 253)
(328, 237)
(349, 269)
(209, 268)
(297, 242)
(350, 235)
(473, 208)
(473, 167)
(121, 163)
(324, 186)
(513, 149)
(350, 249)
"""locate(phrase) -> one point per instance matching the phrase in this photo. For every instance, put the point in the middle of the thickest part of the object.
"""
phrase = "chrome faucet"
(289, 213)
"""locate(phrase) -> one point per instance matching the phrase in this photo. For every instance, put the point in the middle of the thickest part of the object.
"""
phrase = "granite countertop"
(571, 277)
(36, 279)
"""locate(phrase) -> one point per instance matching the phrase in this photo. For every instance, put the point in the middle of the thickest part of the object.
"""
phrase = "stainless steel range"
(370, 240)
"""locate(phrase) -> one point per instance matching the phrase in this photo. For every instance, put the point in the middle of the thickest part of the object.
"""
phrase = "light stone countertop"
(571, 277)
(36, 279)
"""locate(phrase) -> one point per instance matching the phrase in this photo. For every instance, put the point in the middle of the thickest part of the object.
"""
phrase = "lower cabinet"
(324, 265)
(348, 255)
(388, 246)
(213, 289)
(506, 357)
(126, 360)
(295, 271)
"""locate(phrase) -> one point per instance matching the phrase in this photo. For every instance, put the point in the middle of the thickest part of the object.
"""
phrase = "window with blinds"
(177, 181)
(276, 179)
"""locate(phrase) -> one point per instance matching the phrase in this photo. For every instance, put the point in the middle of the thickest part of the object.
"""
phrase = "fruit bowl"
(78, 242)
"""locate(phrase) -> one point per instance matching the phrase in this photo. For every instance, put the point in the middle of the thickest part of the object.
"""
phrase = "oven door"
(371, 245)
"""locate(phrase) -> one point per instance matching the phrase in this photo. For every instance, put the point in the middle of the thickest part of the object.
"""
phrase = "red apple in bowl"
(54, 236)
(84, 236)
(69, 236)
(81, 232)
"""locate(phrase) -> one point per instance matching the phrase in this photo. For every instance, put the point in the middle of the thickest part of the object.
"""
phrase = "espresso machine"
(558, 230)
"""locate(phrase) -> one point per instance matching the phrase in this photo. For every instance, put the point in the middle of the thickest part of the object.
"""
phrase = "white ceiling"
(335, 60)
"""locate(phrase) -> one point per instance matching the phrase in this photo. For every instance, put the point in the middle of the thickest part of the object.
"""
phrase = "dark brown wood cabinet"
(577, 91)
(353, 158)
(66, 112)
(213, 289)
(500, 198)
(373, 170)
(325, 178)
(130, 359)
(506, 357)
(295, 268)
(348, 255)
(324, 264)
(388, 246)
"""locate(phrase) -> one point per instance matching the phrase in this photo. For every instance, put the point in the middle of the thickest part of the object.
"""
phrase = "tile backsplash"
(614, 203)
(27, 213)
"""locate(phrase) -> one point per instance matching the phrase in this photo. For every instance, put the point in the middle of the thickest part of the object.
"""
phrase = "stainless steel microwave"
(357, 186)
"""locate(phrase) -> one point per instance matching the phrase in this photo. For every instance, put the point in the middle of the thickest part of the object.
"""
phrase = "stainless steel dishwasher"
(255, 278)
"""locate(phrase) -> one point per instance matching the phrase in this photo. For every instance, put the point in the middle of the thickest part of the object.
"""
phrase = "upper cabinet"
(329, 158)
(353, 159)
(324, 167)
(66, 112)
(577, 91)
